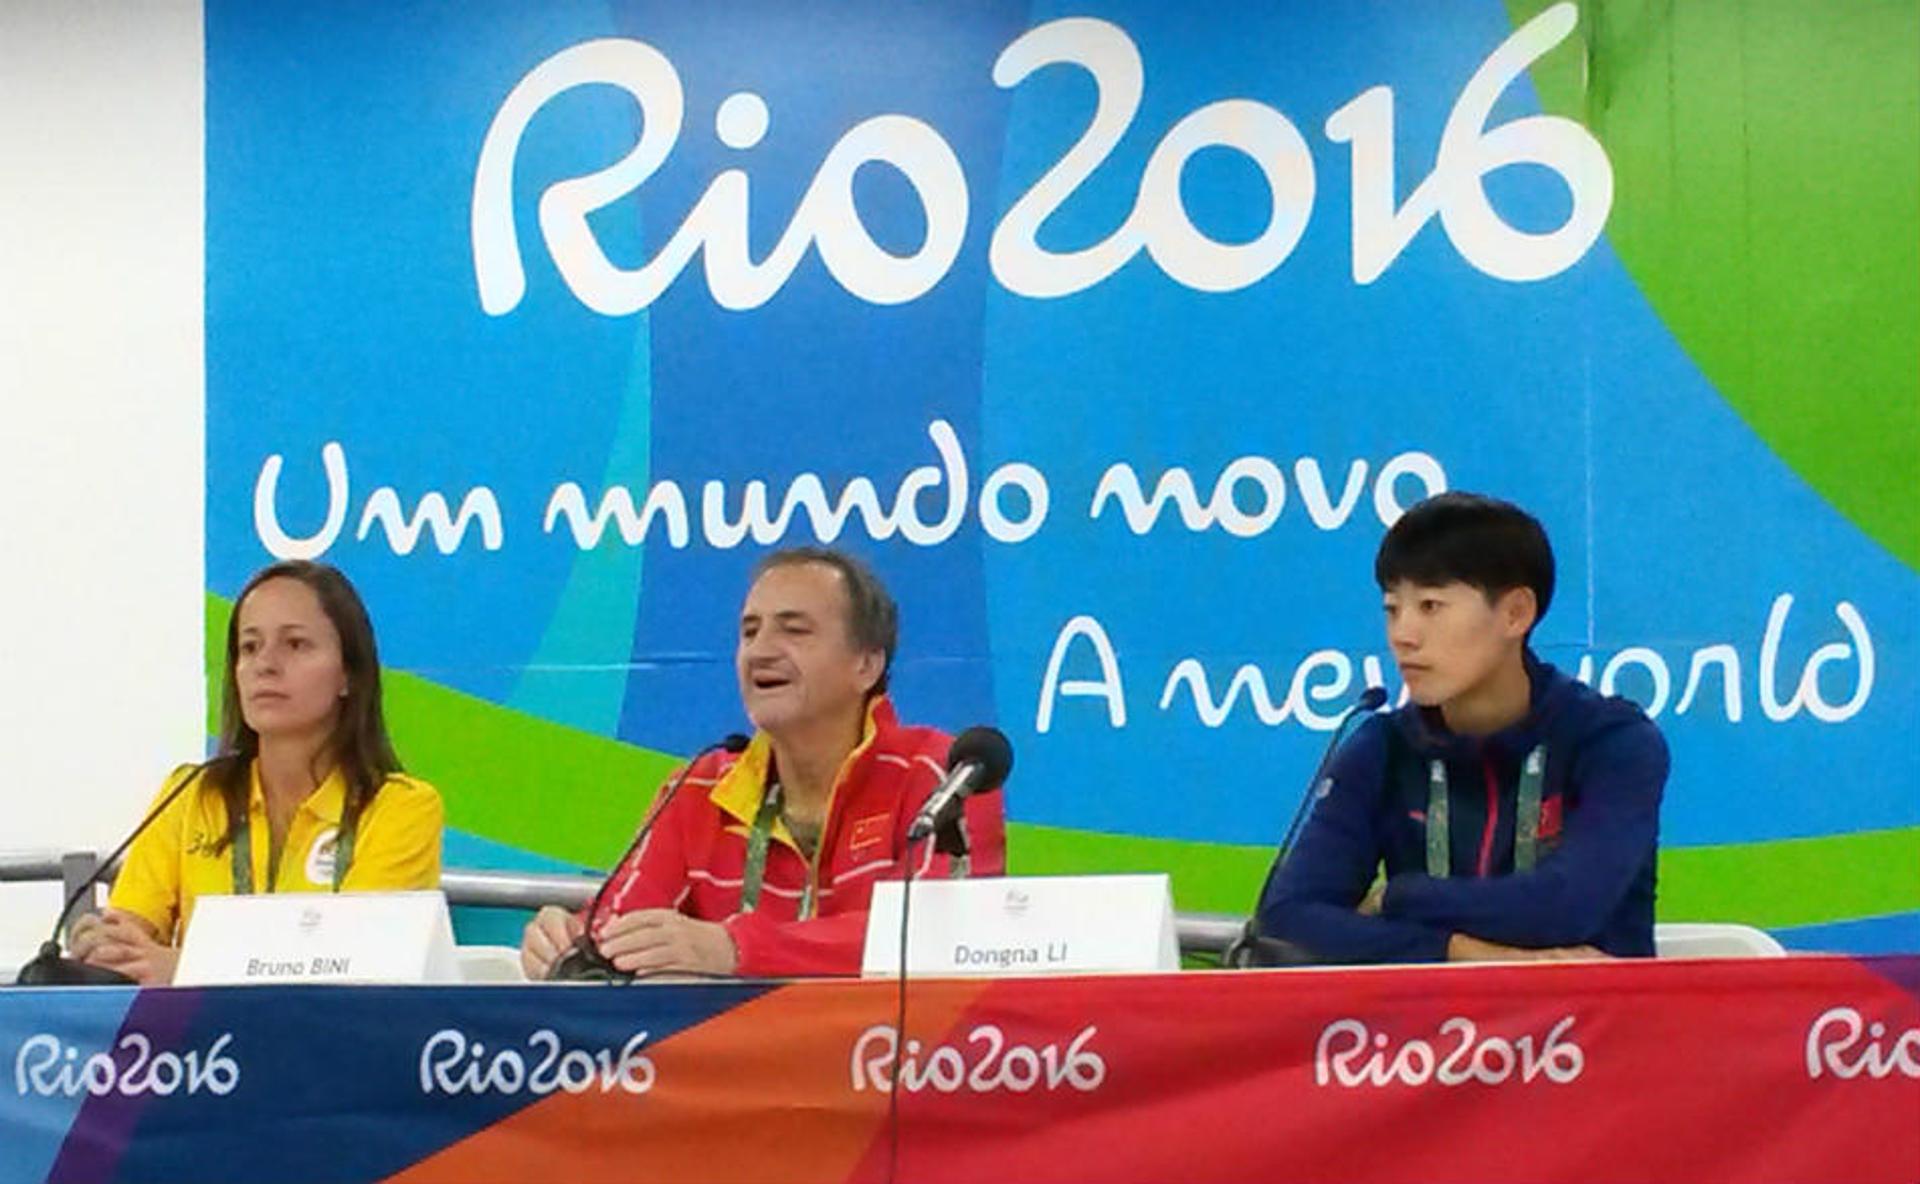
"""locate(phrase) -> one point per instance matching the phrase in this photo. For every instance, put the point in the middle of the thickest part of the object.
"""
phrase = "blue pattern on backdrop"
(815, 380)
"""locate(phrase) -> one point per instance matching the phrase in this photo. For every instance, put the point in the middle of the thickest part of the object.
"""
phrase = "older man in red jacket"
(764, 861)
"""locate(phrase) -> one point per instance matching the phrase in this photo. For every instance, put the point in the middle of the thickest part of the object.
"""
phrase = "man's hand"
(126, 942)
(549, 935)
(650, 940)
(1462, 947)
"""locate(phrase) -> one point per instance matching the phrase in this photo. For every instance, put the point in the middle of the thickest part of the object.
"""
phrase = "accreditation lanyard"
(1526, 824)
(757, 839)
(761, 834)
(242, 848)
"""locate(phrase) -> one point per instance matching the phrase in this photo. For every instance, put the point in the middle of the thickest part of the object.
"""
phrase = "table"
(1795, 1069)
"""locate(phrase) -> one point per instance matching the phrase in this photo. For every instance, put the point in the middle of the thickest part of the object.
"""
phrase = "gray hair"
(873, 620)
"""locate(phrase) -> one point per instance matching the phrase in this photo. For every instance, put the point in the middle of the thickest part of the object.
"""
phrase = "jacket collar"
(325, 802)
(743, 786)
(1548, 690)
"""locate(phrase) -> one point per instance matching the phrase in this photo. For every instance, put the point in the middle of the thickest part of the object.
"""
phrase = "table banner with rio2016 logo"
(1796, 1070)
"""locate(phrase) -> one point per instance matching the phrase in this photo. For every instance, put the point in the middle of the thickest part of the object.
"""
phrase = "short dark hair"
(873, 620)
(1474, 539)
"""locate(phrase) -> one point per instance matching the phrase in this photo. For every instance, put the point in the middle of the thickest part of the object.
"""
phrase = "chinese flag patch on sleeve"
(868, 831)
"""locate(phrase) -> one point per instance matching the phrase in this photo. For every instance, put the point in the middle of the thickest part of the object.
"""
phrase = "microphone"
(584, 961)
(1368, 702)
(978, 762)
(1250, 940)
(48, 968)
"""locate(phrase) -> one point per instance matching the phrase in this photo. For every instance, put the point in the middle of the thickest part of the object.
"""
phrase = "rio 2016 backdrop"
(1113, 336)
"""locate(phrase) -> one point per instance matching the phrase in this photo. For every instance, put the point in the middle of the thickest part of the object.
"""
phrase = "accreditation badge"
(320, 856)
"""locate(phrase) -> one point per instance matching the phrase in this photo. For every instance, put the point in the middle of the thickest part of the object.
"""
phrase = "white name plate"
(307, 937)
(1024, 925)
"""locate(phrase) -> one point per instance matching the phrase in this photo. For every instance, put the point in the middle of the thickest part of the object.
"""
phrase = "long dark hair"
(359, 743)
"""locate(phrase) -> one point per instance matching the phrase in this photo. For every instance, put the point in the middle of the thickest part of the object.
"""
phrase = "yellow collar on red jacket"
(742, 788)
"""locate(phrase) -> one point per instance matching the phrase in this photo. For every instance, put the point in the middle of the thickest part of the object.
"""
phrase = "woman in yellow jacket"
(306, 794)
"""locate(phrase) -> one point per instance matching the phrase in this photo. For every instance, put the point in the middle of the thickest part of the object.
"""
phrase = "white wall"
(101, 447)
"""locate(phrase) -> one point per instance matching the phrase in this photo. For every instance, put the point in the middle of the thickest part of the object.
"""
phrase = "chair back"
(1699, 939)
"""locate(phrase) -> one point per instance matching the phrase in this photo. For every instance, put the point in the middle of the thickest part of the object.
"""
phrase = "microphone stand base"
(584, 963)
(49, 969)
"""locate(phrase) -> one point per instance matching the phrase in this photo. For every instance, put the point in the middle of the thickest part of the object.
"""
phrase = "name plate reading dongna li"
(1024, 925)
(313, 937)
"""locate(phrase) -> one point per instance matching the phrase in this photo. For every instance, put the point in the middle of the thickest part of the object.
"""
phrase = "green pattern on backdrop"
(1772, 885)
(1767, 201)
(504, 775)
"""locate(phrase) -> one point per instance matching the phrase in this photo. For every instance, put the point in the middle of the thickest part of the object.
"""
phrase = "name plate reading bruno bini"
(313, 937)
(1024, 925)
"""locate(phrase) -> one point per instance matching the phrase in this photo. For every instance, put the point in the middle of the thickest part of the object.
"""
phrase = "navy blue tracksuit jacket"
(1593, 880)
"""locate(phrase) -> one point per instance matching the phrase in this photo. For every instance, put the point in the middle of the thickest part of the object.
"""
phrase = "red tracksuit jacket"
(812, 914)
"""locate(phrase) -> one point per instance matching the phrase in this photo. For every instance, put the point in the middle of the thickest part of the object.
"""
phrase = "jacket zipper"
(1493, 815)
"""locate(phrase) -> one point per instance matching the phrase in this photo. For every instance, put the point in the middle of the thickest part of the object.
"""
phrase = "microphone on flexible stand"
(1370, 700)
(49, 968)
(584, 962)
(1250, 945)
(978, 762)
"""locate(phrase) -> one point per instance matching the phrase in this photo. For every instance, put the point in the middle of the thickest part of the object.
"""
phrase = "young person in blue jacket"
(1515, 811)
